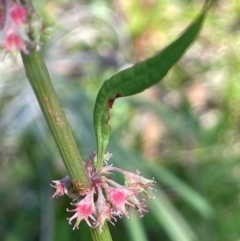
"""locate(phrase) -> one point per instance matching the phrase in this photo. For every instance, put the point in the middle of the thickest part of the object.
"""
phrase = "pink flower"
(15, 30)
(85, 209)
(138, 182)
(18, 14)
(118, 199)
(61, 186)
(103, 210)
(13, 42)
(105, 199)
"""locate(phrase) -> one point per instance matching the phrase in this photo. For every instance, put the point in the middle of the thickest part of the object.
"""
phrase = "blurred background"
(184, 131)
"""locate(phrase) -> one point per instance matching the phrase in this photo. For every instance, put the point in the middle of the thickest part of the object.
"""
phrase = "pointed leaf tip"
(138, 78)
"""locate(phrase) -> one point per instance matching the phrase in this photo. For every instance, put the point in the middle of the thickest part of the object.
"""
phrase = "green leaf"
(138, 78)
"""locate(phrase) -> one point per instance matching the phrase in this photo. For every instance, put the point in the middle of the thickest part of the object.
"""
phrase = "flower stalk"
(95, 196)
(39, 79)
(38, 76)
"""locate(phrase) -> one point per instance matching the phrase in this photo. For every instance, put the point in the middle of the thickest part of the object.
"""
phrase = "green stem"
(39, 78)
(37, 73)
(40, 81)
(104, 236)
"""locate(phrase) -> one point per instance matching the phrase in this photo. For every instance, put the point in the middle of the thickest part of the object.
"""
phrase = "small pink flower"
(118, 199)
(103, 210)
(61, 187)
(85, 209)
(137, 181)
(13, 42)
(18, 14)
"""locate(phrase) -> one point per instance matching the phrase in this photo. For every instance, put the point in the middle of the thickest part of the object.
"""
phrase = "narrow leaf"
(182, 189)
(173, 223)
(135, 229)
(138, 78)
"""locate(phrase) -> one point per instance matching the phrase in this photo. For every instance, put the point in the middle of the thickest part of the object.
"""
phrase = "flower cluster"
(14, 27)
(106, 199)
(13, 21)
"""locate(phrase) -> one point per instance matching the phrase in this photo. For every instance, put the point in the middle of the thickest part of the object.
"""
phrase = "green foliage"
(138, 78)
(195, 157)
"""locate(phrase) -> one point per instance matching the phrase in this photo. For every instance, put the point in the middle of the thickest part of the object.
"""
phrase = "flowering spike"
(111, 198)
(15, 27)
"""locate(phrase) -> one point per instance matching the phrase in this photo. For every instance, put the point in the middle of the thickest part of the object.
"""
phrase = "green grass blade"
(171, 220)
(138, 78)
(135, 228)
(182, 189)
(164, 176)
